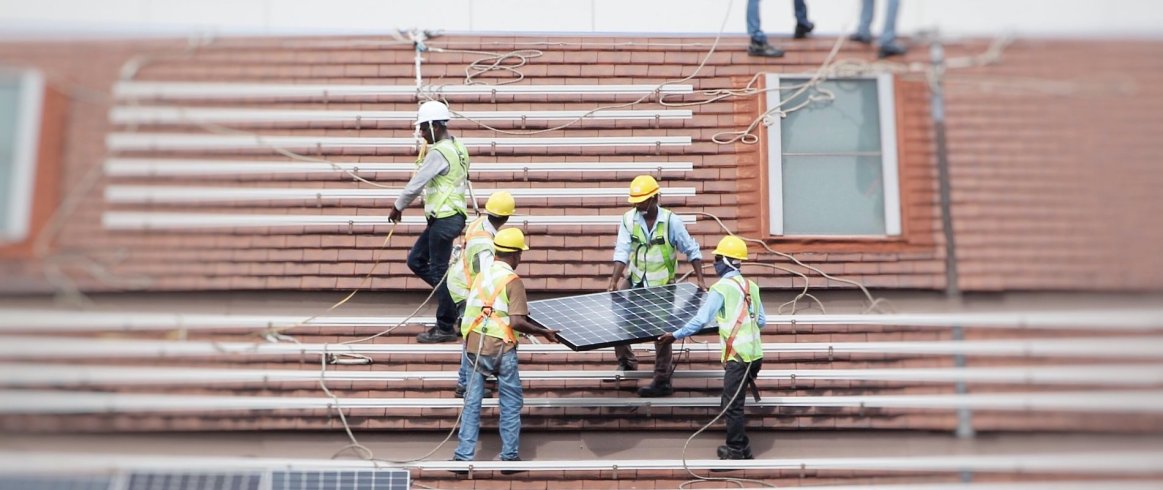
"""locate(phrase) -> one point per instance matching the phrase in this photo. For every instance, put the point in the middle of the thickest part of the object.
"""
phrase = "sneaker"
(435, 336)
(460, 390)
(764, 49)
(891, 49)
(802, 30)
(656, 390)
(512, 472)
(728, 453)
(628, 364)
(860, 38)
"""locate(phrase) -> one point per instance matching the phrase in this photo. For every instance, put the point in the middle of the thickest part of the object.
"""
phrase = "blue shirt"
(679, 237)
(711, 306)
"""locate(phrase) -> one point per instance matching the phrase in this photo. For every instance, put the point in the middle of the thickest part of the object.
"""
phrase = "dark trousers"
(429, 261)
(735, 375)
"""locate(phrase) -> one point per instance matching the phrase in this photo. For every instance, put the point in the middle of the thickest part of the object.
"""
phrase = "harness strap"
(487, 312)
(743, 313)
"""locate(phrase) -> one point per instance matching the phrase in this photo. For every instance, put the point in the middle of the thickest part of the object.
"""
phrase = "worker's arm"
(522, 324)
(688, 246)
(484, 260)
(621, 256)
(434, 164)
(761, 317)
(706, 313)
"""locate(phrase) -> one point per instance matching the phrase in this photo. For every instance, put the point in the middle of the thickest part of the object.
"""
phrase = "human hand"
(395, 215)
(666, 339)
(551, 335)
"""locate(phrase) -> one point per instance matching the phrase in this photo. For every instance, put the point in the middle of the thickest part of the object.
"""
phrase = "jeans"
(753, 25)
(888, 36)
(734, 377)
(512, 398)
(429, 261)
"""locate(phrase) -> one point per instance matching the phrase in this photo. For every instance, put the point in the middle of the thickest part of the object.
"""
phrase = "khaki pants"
(662, 360)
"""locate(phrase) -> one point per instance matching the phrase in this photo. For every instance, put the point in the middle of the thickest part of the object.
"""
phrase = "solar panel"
(340, 480)
(193, 481)
(54, 482)
(593, 321)
(380, 479)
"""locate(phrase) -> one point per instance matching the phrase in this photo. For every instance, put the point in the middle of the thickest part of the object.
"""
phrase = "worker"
(648, 237)
(734, 304)
(495, 312)
(476, 254)
(442, 176)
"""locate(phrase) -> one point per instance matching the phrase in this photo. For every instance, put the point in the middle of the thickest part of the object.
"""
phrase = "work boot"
(628, 364)
(891, 49)
(435, 336)
(802, 30)
(726, 452)
(656, 389)
(860, 38)
(512, 472)
(764, 49)
(459, 472)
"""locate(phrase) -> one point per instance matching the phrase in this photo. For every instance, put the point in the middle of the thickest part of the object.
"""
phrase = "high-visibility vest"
(487, 309)
(444, 194)
(465, 268)
(738, 329)
(652, 257)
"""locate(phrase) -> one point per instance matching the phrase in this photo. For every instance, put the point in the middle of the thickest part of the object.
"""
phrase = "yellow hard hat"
(642, 188)
(510, 240)
(733, 247)
(501, 203)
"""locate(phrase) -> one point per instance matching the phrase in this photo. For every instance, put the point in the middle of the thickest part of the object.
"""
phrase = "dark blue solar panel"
(388, 479)
(593, 321)
(193, 481)
(32, 482)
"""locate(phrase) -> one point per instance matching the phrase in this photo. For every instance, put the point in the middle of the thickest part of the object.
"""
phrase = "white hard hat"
(433, 110)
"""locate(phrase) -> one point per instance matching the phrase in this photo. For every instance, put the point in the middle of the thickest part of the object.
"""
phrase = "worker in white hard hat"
(648, 238)
(442, 177)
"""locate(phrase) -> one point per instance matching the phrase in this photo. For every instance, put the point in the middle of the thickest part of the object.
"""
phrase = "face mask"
(722, 267)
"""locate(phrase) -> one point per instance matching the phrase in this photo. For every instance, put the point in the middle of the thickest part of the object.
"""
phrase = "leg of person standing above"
(759, 45)
(512, 398)
(888, 44)
(736, 377)
(442, 177)
(863, 32)
(803, 25)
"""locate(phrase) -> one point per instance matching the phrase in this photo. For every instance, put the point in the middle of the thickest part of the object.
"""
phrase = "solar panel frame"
(628, 316)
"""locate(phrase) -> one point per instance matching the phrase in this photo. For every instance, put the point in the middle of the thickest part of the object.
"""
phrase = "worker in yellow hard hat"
(442, 176)
(648, 237)
(734, 304)
(476, 255)
(495, 313)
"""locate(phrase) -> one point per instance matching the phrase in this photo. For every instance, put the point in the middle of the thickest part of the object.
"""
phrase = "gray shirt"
(434, 164)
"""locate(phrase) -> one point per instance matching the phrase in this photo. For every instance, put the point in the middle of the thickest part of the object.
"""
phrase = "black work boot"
(860, 38)
(628, 364)
(435, 336)
(726, 452)
(656, 389)
(460, 390)
(802, 30)
(764, 49)
(891, 49)
(512, 472)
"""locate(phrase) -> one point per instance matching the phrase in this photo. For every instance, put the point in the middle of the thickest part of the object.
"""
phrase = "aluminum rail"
(149, 167)
(25, 347)
(227, 115)
(21, 375)
(78, 402)
(1115, 463)
(184, 141)
(130, 220)
(126, 194)
(240, 91)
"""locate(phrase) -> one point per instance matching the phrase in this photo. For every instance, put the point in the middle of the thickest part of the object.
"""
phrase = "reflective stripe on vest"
(444, 194)
(465, 268)
(487, 309)
(738, 329)
(652, 258)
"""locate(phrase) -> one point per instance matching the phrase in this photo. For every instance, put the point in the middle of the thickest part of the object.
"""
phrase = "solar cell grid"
(594, 321)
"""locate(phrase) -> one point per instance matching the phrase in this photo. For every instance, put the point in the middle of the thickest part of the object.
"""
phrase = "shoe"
(728, 453)
(435, 336)
(764, 49)
(460, 390)
(891, 49)
(860, 38)
(656, 390)
(802, 30)
(512, 472)
(459, 472)
(628, 364)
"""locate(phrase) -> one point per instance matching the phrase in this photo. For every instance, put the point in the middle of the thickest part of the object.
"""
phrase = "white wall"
(55, 18)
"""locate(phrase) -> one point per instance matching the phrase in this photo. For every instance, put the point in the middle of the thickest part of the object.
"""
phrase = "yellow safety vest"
(652, 257)
(444, 194)
(738, 329)
(487, 309)
(465, 268)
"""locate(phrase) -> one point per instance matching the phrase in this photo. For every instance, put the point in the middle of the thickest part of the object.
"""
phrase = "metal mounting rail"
(151, 167)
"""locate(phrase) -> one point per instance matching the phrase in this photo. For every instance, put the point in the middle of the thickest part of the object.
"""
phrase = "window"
(832, 165)
(21, 101)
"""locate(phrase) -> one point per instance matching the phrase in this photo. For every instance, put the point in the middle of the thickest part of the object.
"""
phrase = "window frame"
(29, 119)
(890, 171)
